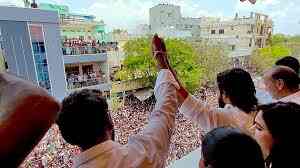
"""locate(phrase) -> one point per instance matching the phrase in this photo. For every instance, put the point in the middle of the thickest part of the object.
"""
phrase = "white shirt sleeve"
(206, 116)
(150, 148)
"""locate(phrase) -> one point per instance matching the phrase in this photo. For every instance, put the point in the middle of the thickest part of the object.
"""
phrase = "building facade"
(241, 34)
(77, 25)
(167, 20)
(85, 49)
(30, 47)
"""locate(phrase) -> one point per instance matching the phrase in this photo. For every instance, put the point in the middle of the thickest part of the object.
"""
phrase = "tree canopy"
(195, 64)
(281, 46)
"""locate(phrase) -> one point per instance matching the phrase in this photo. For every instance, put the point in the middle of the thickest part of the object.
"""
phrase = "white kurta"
(209, 117)
(149, 149)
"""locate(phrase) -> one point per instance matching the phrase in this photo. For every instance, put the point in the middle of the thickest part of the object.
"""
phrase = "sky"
(127, 14)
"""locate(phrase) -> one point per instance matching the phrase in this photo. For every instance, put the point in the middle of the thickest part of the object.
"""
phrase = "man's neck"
(288, 93)
(98, 141)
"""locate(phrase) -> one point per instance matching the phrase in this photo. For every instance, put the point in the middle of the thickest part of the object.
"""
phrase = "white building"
(241, 34)
(141, 30)
(30, 47)
(166, 20)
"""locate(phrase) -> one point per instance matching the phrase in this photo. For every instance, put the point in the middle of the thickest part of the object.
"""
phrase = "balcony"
(91, 81)
(80, 51)
(84, 58)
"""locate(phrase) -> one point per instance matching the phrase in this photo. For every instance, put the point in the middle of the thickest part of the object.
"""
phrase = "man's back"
(114, 155)
(148, 149)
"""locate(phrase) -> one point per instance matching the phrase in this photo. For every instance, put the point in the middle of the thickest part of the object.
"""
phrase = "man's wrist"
(182, 91)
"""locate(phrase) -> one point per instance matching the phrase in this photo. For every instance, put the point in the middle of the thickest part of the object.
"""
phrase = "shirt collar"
(290, 97)
(93, 152)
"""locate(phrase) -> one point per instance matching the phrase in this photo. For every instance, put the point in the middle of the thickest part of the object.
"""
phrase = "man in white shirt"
(85, 121)
(237, 101)
(282, 83)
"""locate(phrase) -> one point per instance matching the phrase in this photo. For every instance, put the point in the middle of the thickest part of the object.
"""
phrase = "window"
(232, 27)
(221, 31)
(39, 54)
(233, 47)
(169, 14)
(3, 64)
(72, 70)
(213, 31)
(250, 43)
(87, 69)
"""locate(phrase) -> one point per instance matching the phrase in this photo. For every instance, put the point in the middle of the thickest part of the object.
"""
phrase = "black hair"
(290, 62)
(229, 147)
(239, 87)
(282, 122)
(289, 77)
(84, 118)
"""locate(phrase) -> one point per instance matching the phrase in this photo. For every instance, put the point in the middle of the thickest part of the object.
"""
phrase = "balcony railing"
(76, 81)
(79, 47)
(83, 50)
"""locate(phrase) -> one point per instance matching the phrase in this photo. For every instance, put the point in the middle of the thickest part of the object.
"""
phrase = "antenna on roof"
(252, 1)
(34, 4)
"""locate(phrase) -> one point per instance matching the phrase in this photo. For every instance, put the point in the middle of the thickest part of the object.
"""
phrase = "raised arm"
(201, 113)
(152, 145)
(150, 148)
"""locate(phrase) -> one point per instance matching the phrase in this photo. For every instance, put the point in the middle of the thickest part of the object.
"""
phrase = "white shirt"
(148, 149)
(209, 117)
(295, 98)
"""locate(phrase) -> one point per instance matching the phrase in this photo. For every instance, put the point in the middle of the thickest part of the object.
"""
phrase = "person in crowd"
(283, 84)
(276, 130)
(290, 62)
(262, 94)
(85, 121)
(228, 147)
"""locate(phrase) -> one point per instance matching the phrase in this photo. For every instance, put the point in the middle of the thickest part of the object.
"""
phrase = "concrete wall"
(55, 60)
(17, 49)
(75, 59)
(164, 15)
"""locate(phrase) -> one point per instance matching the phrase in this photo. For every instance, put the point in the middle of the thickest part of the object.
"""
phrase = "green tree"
(264, 58)
(213, 58)
(139, 62)
(278, 39)
(195, 63)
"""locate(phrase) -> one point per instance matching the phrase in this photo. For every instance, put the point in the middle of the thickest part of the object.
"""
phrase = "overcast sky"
(128, 13)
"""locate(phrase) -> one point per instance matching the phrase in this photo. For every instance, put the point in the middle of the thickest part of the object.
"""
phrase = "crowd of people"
(87, 79)
(77, 46)
(239, 132)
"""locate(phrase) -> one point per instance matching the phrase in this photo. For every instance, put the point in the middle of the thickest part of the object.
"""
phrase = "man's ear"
(280, 84)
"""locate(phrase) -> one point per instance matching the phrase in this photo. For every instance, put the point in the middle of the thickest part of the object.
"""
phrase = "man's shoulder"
(295, 98)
